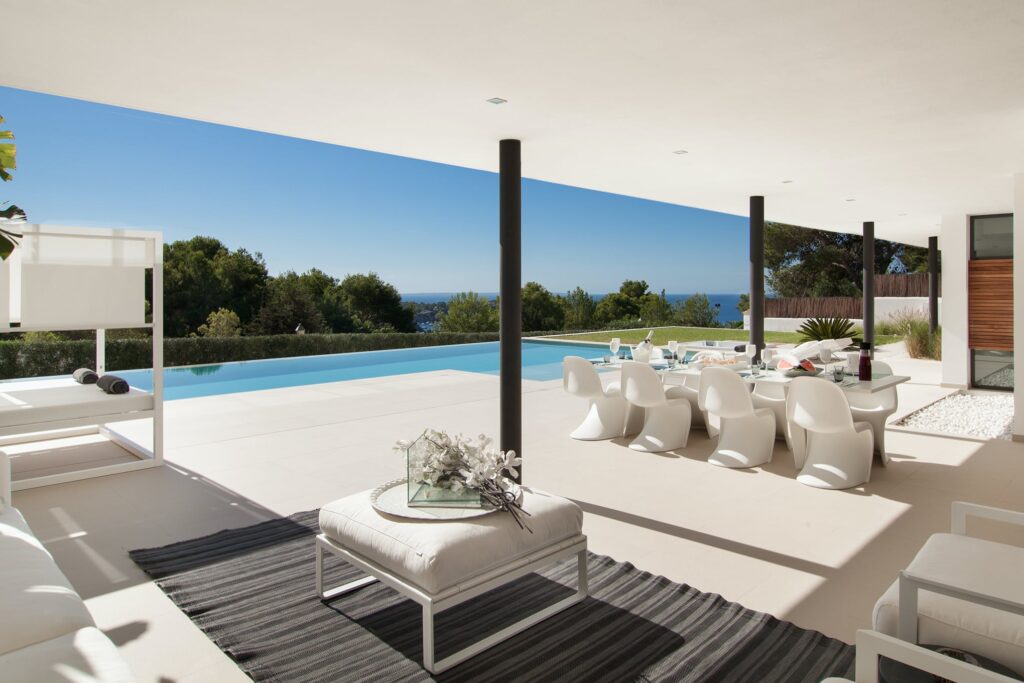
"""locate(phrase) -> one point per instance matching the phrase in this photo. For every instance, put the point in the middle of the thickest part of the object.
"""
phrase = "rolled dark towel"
(112, 384)
(85, 376)
(740, 348)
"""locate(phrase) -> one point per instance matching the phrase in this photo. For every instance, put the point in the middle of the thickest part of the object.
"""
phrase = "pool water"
(541, 361)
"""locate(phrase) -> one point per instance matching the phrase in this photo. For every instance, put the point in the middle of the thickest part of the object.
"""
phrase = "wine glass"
(766, 357)
(673, 346)
(751, 351)
(614, 346)
(825, 356)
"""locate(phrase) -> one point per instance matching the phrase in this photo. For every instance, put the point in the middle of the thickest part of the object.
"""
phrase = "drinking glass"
(614, 346)
(825, 355)
(673, 346)
(751, 351)
(766, 357)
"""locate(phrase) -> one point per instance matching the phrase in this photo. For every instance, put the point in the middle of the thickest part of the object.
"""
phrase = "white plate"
(392, 498)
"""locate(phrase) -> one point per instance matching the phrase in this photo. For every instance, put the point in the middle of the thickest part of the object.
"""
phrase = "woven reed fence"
(901, 285)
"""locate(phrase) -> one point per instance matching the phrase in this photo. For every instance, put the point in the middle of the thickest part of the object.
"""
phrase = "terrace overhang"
(836, 112)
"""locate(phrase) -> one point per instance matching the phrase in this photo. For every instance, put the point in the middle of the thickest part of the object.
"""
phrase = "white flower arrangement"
(460, 464)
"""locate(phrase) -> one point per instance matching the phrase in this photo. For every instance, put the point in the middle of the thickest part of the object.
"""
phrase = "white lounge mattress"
(38, 402)
(438, 555)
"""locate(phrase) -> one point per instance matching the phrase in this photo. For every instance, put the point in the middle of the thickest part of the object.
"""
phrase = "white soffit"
(913, 109)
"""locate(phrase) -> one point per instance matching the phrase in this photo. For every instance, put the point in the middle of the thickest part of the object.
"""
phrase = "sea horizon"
(727, 301)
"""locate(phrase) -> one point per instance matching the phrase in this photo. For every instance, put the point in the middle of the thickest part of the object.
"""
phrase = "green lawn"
(687, 334)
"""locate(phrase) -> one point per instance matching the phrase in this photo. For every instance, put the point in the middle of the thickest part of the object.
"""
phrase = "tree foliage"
(9, 213)
(468, 312)
(375, 305)
(202, 275)
(697, 311)
(542, 310)
(288, 303)
(803, 262)
(221, 323)
(579, 310)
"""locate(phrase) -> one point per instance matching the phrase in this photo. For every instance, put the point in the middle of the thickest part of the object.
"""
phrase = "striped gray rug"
(251, 590)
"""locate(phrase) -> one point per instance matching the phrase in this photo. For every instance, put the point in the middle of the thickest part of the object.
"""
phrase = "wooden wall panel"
(990, 304)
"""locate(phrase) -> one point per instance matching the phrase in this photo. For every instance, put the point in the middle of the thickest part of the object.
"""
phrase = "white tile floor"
(819, 558)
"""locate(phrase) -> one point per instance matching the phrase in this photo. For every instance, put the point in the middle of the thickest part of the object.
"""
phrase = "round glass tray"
(391, 498)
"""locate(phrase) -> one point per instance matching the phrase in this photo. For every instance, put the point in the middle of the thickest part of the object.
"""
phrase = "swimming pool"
(541, 361)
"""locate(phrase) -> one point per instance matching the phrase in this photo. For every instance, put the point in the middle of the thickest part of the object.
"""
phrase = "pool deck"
(818, 558)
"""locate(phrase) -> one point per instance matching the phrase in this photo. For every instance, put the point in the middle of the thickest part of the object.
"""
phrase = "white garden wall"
(885, 307)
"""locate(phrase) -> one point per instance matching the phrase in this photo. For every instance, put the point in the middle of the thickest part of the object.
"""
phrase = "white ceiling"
(913, 107)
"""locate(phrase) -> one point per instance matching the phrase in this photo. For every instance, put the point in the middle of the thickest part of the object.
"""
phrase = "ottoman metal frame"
(433, 603)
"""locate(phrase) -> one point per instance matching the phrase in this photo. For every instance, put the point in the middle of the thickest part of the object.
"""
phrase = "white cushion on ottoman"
(438, 555)
(992, 568)
(82, 656)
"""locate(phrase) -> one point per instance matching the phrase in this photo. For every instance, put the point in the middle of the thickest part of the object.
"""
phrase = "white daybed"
(63, 278)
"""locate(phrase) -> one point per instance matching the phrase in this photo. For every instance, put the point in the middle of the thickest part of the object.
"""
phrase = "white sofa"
(46, 632)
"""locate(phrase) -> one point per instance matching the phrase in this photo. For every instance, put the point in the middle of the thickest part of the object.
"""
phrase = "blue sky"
(423, 226)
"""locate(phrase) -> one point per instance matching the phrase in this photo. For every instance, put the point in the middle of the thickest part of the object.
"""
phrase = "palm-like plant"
(817, 329)
(9, 213)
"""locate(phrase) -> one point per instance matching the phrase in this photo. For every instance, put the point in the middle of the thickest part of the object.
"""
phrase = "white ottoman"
(440, 564)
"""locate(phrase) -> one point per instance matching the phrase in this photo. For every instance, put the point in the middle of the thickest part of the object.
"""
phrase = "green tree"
(655, 309)
(802, 262)
(221, 323)
(579, 310)
(468, 312)
(9, 213)
(288, 303)
(697, 311)
(202, 275)
(623, 304)
(542, 310)
(375, 305)
(743, 305)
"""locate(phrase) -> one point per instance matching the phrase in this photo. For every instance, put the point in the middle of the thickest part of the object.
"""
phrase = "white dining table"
(850, 383)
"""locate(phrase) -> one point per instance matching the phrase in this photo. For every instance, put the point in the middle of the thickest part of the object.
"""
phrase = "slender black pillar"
(869, 284)
(757, 274)
(511, 334)
(933, 284)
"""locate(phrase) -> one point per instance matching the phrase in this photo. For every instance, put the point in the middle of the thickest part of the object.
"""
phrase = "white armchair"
(961, 591)
(871, 645)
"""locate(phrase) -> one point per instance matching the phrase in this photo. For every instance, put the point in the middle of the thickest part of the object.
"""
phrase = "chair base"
(605, 419)
(745, 441)
(666, 428)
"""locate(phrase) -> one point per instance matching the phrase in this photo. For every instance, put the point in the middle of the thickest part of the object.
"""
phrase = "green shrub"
(27, 359)
(899, 323)
(816, 329)
(921, 343)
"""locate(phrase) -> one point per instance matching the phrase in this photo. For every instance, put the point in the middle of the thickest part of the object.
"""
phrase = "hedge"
(40, 359)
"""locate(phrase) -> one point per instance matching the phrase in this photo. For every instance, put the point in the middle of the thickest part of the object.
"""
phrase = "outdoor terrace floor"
(818, 558)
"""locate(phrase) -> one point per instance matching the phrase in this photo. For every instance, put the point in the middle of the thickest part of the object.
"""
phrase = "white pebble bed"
(985, 416)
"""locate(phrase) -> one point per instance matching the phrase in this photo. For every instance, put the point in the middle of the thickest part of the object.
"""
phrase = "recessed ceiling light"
(851, 200)
(680, 151)
(786, 182)
(497, 100)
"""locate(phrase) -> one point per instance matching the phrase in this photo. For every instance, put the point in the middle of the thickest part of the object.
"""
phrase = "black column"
(510, 189)
(933, 284)
(757, 273)
(869, 284)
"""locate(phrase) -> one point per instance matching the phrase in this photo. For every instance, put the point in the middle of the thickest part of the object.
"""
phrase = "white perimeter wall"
(885, 307)
(954, 243)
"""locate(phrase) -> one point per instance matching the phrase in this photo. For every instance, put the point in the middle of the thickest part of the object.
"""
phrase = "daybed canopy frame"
(67, 278)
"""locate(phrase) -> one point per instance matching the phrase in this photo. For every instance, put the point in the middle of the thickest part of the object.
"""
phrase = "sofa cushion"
(82, 656)
(438, 555)
(984, 566)
(37, 602)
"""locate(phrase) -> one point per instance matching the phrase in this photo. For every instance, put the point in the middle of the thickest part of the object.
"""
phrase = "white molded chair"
(667, 418)
(607, 413)
(772, 395)
(876, 408)
(830, 450)
(746, 435)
